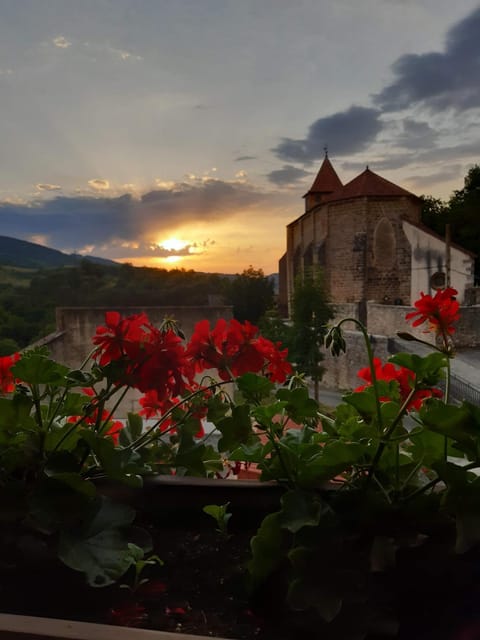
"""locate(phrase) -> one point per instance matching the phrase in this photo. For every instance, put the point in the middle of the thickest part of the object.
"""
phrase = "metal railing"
(460, 389)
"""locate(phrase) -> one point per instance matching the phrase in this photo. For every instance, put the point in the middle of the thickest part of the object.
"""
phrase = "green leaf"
(235, 429)
(300, 509)
(15, 414)
(330, 461)
(428, 369)
(75, 481)
(254, 388)
(267, 550)
(100, 548)
(116, 462)
(462, 423)
(299, 406)
(38, 369)
(132, 429)
(73, 405)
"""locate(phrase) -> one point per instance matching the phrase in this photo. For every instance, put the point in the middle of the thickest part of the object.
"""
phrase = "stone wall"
(72, 341)
(76, 325)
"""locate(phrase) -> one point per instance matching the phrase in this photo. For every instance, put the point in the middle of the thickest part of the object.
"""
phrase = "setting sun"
(173, 244)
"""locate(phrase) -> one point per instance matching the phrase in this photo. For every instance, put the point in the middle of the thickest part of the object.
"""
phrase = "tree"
(464, 215)
(251, 294)
(434, 213)
(461, 212)
(311, 312)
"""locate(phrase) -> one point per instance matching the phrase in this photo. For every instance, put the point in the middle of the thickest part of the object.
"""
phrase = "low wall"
(341, 371)
(72, 341)
(77, 325)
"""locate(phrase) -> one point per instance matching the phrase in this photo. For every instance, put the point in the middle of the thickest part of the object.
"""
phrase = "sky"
(184, 133)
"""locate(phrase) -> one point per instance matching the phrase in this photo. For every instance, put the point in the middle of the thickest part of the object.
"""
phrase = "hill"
(29, 255)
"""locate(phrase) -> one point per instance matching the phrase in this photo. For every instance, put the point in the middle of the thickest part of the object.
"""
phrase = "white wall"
(428, 257)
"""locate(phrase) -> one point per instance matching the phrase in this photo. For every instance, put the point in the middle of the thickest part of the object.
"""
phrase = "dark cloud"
(244, 158)
(416, 135)
(446, 175)
(448, 79)
(287, 175)
(72, 222)
(344, 132)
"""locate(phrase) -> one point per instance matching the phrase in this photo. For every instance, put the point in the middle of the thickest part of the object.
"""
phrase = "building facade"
(368, 239)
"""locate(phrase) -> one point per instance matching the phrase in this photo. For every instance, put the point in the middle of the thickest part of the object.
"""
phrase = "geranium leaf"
(100, 548)
(300, 509)
(235, 429)
(35, 368)
(267, 550)
(253, 387)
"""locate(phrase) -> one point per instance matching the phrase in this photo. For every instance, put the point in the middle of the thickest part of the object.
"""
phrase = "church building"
(368, 239)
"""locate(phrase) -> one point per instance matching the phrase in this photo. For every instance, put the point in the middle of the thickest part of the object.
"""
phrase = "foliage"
(311, 313)
(221, 515)
(59, 437)
(461, 212)
(368, 483)
(251, 294)
(27, 306)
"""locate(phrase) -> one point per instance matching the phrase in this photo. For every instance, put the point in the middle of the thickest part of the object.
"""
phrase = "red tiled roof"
(369, 184)
(327, 180)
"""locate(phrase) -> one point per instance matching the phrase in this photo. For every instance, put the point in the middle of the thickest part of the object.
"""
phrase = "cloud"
(42, 186)
(344, 132)
(112, 224)
(123, 54)
(99, 185)
(445, 175)
(61, 42)
(439, 80)
(6, 72)
(287, 175)
(244, 158)
(416, 135)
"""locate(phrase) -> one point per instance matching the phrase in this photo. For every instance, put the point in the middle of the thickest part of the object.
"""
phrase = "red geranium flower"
(403, 377)
(7, 381)
(234, 349)
(128, 615)
(440, 311)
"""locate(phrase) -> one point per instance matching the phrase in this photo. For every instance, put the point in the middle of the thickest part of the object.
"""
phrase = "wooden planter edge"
(15, 627)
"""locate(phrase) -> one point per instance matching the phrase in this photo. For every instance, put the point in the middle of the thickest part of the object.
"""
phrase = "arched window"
(384, 245)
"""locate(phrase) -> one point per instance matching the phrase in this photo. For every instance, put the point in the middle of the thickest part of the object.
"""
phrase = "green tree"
(311, 312)
(464, 215)
(434, 213)
(251, 294)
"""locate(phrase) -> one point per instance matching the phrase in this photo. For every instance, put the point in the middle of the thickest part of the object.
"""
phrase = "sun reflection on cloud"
(173, 244)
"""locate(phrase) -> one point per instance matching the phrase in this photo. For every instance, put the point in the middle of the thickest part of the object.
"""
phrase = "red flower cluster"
(7, 381)
(234, 349)
(440, 311)
(152, 359)
(403, 376)
(155, 407)
(114, 426)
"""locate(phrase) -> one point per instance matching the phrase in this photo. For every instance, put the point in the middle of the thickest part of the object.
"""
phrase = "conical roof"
(327, 180)
(369, 183)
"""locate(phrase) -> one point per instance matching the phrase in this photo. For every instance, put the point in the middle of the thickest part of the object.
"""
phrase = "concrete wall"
(428, 257)
(77, 325)
(341, 371)
(72, 341)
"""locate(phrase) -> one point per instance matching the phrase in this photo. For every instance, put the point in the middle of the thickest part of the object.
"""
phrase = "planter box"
(32, 628)
(170, 503)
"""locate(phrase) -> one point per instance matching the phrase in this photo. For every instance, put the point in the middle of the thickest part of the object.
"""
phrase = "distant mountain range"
(20, 253)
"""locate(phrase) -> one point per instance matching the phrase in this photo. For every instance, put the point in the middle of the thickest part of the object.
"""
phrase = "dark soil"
(200, 589)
